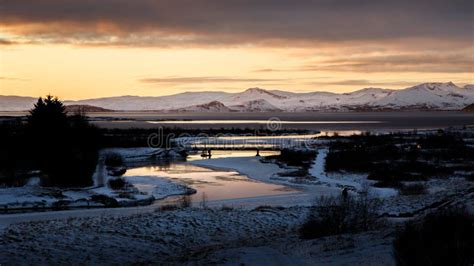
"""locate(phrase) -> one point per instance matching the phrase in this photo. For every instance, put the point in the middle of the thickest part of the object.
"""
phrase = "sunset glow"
(111, 48)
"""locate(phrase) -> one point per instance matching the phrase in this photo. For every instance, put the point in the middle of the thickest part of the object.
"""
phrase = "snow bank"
(355, 182)
(249, 166)
(158, 187)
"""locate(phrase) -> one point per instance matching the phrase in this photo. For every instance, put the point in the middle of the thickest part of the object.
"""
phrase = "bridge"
(246, 142)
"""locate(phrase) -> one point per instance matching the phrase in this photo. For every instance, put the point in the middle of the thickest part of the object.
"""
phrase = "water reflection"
(233, 121)
(250, 141)
(216, 184)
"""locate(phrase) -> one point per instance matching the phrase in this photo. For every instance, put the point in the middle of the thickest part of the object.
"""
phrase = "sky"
(79, 49)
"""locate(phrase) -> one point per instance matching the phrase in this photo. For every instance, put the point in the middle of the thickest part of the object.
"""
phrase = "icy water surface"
(213, 184)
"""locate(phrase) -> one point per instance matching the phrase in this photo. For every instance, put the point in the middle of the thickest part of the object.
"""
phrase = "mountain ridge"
(425, 96)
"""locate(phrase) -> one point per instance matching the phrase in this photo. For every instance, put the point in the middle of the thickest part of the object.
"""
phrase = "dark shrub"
(117, 183)
(441, 141)
(185, 201)
(402, 157)
(105, 200)
(117, 171)
(11, 177)
(113, 159)
(168, 207)
(390, 183)
(359, 156)
(227, 208)
(469, 177)
(394, 174)
(413, 189)
(303, 158)
(444, 238)
(333, 216)
(15, 154)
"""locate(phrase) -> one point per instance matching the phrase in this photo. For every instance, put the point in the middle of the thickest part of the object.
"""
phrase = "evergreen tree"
(49, 114)
(64, 148)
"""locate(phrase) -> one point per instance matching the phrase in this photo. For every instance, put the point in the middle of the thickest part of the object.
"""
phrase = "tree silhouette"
(48, 113)
(65, 148)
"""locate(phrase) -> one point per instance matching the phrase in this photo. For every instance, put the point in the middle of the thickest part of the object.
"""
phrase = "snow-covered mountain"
(426, 96)
(429, 96)
(137, 103)
(259, 105)
(214, 106)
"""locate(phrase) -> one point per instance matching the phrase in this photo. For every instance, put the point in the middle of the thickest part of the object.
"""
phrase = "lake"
(383, 121)
(318, 121)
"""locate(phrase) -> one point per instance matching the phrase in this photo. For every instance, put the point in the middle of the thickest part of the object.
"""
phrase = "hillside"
(85, 108)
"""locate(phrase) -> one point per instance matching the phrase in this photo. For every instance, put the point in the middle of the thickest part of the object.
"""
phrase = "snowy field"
(190, 236)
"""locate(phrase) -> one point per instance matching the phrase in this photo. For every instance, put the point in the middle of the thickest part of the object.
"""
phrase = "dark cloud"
(273, 82)
(366, 83)
(462, 62)
(214, 22)
(188, 80)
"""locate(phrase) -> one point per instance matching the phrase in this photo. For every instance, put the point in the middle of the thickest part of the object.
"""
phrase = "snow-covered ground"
(194, 236)
(370, 248)
(140, 238)
(158, 187)
(189, 236)
(33, 197)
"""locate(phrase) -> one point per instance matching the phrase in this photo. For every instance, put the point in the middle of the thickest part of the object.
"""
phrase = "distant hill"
(425, 97)
(469, 108)
(16, 103)
(85, 108)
